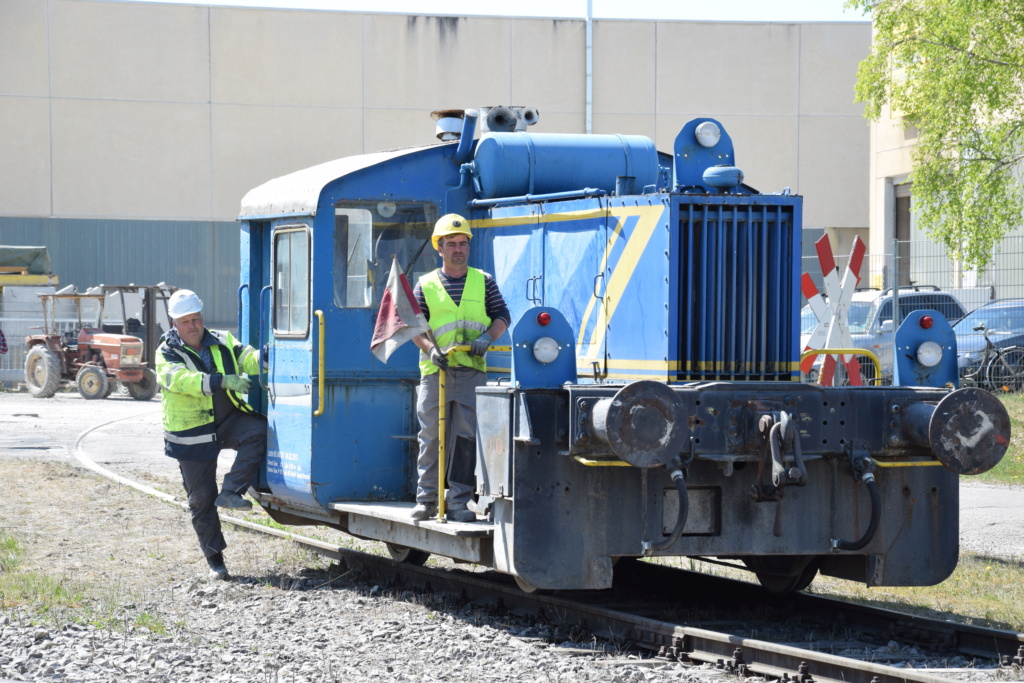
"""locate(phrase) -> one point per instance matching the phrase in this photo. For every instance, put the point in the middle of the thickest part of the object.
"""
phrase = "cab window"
(291, 281)
(366, 236)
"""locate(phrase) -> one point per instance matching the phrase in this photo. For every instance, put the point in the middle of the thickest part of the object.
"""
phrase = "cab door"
(289, 327)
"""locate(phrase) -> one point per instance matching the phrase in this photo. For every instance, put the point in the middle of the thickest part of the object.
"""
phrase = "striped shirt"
(493, 302)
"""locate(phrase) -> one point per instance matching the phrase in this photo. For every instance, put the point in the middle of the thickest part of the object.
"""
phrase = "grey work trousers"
(460, 431)
(246, 434)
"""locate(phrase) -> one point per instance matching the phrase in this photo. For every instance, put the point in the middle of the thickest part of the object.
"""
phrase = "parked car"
(872, 326)
(1003, 319)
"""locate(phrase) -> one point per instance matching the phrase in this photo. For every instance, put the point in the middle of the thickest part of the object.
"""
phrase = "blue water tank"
(514, 164)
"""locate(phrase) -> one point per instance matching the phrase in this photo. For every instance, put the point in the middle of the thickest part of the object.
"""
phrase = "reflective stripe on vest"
(456, 325)
(189, 440)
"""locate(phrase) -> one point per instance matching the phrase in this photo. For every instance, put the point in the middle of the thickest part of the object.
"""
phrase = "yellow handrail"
(845, 352)
(442, 432)
(918, 463)
(320, 366)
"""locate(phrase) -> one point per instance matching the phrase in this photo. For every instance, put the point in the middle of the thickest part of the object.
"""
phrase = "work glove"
(236, 383)
(479, 346)
(438, 358)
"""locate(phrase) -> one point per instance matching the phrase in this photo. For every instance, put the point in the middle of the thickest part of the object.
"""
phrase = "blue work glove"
(265, 358)
(438, 358)
(236, 383)
(479, 346)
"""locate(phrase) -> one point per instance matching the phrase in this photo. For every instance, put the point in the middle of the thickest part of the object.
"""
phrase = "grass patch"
(10, 553)
(985, 591)
(30, 589)
(152, 622)
(55, 602)
(1010, 469)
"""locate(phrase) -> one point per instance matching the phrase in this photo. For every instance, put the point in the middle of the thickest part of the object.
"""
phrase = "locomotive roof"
(298, 193)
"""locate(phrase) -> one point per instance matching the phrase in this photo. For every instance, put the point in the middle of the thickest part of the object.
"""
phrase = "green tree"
(954, 69)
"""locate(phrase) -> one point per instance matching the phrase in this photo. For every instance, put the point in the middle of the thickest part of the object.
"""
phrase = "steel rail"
(674, 641)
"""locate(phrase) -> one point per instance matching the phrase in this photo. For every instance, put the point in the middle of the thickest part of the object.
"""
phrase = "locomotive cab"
(657, 411)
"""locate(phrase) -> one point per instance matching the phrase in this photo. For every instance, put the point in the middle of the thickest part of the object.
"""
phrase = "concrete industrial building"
(129, 132)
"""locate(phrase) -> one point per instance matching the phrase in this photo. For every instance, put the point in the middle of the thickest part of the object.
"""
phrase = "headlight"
(131, 356)
(545, 349)
(708, 134)
(812, 376)
(929, 354)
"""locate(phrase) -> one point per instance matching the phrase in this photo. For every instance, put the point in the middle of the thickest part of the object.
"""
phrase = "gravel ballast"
(148, 612)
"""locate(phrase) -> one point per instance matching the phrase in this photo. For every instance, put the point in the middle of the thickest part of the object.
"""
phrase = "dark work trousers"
(246, 434)
(460, 435)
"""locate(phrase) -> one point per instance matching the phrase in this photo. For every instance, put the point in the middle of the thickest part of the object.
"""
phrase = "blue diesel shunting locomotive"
(650, 404)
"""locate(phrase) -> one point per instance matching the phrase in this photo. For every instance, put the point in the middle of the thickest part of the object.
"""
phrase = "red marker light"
(926, 322)
(543, 318)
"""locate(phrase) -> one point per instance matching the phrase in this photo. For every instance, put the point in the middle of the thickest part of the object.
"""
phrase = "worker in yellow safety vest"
(203, 377)
(464, 308)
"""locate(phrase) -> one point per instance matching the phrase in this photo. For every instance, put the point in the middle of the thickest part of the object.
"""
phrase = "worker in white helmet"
(464, 307)
(202, 374)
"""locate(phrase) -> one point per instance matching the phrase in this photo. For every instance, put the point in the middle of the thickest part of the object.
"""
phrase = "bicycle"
(999, 369)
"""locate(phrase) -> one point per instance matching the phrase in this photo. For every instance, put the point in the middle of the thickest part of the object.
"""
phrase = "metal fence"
(992, 299)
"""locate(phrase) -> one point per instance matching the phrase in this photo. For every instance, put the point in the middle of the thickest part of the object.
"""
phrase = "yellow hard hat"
(450, 224)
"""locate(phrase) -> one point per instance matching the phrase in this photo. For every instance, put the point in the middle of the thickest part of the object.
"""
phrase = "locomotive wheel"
(524, 586)
(401, 553)
(92, 382)
(145, 388)
(42, 372)
(782, 575)
(784, 585)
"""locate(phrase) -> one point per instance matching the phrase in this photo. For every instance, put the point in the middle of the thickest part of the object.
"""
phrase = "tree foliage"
(954, 69)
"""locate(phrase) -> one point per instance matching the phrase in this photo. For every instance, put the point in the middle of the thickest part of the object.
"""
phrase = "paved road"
(991, 517)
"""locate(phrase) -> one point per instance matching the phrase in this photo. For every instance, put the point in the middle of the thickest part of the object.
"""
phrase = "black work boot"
(233, 501)
(218, 570)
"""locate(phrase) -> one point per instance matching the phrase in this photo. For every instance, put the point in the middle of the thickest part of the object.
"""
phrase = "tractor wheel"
(42, 372)
(92, 382)
(145, 388)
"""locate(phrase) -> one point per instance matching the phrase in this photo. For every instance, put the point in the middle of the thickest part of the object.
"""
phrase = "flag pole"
(442, 436)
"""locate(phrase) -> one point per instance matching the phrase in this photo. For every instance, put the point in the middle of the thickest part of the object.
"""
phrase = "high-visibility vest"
(456, 325)
(189, 430)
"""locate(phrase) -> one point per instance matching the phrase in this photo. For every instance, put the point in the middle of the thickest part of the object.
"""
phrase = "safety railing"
(848, 352)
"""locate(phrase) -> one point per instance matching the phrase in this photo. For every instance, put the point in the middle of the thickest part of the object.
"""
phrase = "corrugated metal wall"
(198, 255)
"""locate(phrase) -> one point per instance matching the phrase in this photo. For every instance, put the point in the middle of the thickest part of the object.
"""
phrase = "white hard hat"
(183, 302)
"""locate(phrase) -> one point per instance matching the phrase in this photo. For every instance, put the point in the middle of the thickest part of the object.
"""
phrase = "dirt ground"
(96, 532)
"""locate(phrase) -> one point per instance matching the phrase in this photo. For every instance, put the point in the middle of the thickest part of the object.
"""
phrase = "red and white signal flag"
(399, 318)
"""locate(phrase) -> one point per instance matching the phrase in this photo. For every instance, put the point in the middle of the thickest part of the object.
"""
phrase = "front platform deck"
(390, 522)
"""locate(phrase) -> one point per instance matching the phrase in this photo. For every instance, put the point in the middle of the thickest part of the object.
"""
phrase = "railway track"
(693, 617)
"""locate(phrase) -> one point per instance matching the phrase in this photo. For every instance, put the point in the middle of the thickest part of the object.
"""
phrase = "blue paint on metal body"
(910, 335)
(527, 371)
(509, 164)
(688, 284)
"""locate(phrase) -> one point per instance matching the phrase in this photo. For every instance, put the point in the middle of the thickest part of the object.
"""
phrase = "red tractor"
(95, 360)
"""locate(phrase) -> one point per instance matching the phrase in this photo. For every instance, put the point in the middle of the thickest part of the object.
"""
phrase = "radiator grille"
(737, 278)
